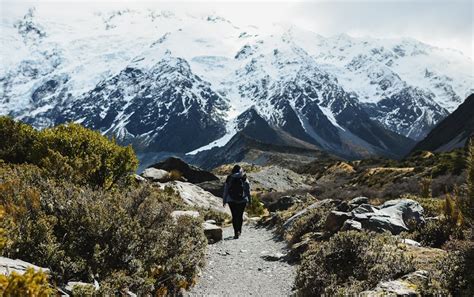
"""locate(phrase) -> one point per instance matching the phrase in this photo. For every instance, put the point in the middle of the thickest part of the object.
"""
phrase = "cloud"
(447, 23)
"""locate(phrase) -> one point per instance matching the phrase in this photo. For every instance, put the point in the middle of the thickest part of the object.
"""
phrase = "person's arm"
(224, 196)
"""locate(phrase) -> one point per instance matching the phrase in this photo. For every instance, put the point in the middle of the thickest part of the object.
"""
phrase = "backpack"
(236, 188)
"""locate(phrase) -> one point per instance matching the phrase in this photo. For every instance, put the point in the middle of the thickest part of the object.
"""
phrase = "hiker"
(237, 194)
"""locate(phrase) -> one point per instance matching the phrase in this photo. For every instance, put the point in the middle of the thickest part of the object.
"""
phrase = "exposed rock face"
(212, 232)
(195, 196)
(8, 266)
(215, 187)
(191, 173)
(156, 175)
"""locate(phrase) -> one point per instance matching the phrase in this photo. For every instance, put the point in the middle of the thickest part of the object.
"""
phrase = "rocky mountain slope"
(453, 132)
(166, 82)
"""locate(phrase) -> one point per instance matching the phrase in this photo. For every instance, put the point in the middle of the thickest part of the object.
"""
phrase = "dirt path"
(238, 268)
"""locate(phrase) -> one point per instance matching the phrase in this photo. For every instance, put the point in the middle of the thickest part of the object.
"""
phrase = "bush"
(67, 151)
(82, 233)
(453, 274)
(255, 207)
(467, 203)
(212, 214)
(349, 263)
(312, 221)
(31, 283)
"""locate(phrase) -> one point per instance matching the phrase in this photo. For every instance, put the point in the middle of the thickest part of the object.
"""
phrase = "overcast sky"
(443, 23)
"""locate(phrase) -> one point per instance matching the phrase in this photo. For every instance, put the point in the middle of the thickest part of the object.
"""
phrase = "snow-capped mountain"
(181, 83)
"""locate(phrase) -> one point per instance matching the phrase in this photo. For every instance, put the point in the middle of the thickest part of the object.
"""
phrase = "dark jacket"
(226, 195)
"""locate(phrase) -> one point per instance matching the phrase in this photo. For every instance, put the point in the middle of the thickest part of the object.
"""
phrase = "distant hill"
(453, 131)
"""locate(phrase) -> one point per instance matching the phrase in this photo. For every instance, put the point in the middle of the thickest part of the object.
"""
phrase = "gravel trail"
(238, 268)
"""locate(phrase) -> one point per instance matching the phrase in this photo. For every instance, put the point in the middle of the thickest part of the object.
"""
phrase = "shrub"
(453, 274)
(212, 214)
(312, 221)
(175, 175)
(31, 283)
(67, 151)
(84, 234)
(349, 263)
(17, 140)
(255, 207)
(467, 203)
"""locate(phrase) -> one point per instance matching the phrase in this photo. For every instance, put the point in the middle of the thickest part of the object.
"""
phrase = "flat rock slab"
(8, 266)
(236, 267)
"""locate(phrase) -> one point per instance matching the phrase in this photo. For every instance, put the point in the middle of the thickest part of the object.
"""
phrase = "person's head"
(236, 169)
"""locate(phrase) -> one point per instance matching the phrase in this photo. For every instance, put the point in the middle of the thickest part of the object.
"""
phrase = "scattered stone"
(343, 206)
(191, 173)
(364, 208)
(139, 178)
(8, 266)
(283, 203)
(211, 222)
(179, 213)
(335, 220)
(274, 257)
(359, 200)
(351, 225)
(411, 242)
(70, 286)
(212, 232)
(405, 286)
(155, 175)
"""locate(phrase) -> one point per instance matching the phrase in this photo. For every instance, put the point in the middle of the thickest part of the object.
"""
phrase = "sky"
(442, 23)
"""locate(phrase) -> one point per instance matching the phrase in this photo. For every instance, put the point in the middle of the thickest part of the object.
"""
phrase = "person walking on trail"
(237, 195)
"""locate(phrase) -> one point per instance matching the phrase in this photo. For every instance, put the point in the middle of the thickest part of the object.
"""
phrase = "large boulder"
(212, 232)
(156, 175)
(191, 173)
(392, 216)
(195, 196)
(215, 187)
(8, 266)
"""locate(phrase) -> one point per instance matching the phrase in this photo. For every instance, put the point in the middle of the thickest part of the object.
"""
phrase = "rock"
(139, 178)
(335, 220)
(8, 266)
(212, 232)
(283, 203)
(359, 200)
(411, 242)
(211, 221)
(407, 285)
(195, 196)
(391, 216)
(70, 286)
(351, 225)
(191, 173)
(215, 187)
(179, 213)
(156, 175)
(288, 223)
(364, 208)
(274, 257)
(343, 206)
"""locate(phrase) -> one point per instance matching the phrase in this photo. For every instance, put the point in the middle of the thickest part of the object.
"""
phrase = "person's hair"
(236, 169)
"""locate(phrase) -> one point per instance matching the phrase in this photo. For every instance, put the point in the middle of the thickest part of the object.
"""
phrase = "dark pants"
(237, 210)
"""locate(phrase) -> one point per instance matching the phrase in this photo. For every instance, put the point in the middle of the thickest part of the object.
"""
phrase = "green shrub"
(255, 207)
(83, 233)
(31, 283)
(212, 214)
(312, 221)
(17, 140)
(349, 263)
(453, 274)
(467, 203)
(67, 151)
